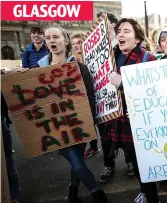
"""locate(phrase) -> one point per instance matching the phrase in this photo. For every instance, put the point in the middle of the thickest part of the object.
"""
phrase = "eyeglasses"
(79, 42)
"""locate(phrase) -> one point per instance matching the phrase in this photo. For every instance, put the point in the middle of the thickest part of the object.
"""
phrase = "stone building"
(15, 34)
(155, 21)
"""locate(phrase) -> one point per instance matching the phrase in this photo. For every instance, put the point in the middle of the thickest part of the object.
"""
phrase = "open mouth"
(121, 42)
(54, 47)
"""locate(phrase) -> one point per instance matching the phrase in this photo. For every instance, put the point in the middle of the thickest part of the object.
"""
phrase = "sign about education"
(146, 98)
(99, 58)
(50, 107)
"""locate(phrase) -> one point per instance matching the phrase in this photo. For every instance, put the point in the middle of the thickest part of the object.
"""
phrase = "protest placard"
(146, 98)
(99, 57)
(50, 107)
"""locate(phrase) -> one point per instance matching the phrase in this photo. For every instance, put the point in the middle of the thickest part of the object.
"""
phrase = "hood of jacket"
(45, 61)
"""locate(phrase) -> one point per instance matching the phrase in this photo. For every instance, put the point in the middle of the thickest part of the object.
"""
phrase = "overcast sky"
(136, 7)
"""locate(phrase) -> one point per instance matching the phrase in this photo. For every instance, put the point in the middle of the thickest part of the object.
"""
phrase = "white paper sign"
(145, 88)
(96, 53)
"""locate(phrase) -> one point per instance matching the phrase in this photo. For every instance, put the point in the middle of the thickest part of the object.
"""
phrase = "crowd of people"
(54, 45)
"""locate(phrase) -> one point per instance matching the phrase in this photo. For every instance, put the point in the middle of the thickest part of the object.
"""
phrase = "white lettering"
(17, 12)
(35, 11)
(43, 10)
(51, 12)
(73, 10)
(25, 11)
(61, 11)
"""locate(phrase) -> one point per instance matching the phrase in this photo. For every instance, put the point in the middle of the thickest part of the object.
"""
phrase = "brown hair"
(110, 17)
(139, 33)
(154, 36)
(148, 44)
(79, 35)
(37, 29)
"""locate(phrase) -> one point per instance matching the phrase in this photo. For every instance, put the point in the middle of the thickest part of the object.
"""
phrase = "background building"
(155, 21)
(15, 34)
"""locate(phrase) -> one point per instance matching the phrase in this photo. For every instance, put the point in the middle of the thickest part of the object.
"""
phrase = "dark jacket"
(89, 87)
(31, 56)
(4, 107)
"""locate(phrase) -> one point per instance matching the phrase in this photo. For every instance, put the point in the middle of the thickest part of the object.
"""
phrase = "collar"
(71, 58)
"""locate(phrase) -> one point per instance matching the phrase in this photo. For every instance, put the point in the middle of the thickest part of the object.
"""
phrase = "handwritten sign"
(146, 97)
(99, 58)
(50, 107)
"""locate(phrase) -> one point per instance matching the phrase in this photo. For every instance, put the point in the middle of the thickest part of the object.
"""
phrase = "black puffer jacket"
(89, 86)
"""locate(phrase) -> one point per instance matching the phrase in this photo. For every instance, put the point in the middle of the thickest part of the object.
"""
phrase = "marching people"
(36, 50)
(59, 45)
(130, 48)
(130, 36)
(109, 154)
(77, 40)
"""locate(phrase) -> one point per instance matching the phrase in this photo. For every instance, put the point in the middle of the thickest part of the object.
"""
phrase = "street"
(45, 179)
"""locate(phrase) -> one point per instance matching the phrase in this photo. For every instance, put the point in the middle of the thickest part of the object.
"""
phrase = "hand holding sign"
(50, 107)
(116, 79)
(147, 108)
(99, 57)
(22, 70)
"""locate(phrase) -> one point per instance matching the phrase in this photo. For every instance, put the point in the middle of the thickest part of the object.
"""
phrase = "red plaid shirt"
(121, 131)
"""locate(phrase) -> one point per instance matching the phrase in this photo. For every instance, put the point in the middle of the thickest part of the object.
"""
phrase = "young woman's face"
(126, 37)
(163, 43)
(55, 41)
(77, 45)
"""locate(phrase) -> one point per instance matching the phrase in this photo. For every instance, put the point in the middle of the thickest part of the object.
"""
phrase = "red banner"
(46, 10)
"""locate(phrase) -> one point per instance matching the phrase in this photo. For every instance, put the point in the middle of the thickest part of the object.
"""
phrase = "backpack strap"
(145, 56)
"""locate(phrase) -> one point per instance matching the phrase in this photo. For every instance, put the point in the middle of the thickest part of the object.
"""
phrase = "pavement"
(45, 179)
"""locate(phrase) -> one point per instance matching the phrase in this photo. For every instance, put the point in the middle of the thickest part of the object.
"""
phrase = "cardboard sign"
(5, 194)
(146, 98)
(99, 58)
(50, 107)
